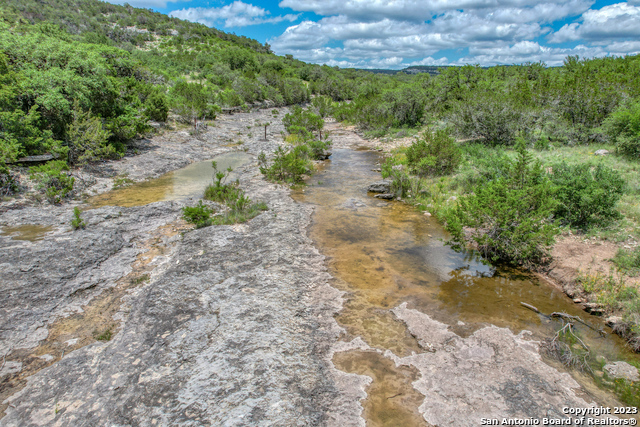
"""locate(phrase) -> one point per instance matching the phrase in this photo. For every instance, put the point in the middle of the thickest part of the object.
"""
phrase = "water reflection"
(189, 181)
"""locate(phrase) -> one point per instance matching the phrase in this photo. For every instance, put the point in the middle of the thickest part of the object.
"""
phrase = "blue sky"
(398, 33)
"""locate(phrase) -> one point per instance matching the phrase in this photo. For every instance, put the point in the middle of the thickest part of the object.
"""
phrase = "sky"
(395, 34)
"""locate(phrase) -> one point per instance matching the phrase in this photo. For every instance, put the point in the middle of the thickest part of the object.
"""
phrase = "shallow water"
(29, 232)
(189, 181)
(385, 253)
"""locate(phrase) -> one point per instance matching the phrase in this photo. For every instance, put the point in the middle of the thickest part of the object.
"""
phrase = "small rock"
(611, 321)
(577, 300)
(593, 308)
(601, 152)
(376, 170)
(622, 370)
(398, 167)
(453, 198)
(387, 196)
(427, 214)
(382, 186)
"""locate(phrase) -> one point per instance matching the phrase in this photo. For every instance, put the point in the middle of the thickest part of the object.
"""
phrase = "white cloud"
(616, 21)
(236, 14)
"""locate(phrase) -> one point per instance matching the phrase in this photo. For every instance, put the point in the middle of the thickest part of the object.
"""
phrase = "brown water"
(189, 181)
(29, 232)
(384, 253)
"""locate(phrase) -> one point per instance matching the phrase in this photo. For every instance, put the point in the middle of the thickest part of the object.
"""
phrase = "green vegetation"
(628, 261)
(53, 180)
(77, 222)
(239, 207)
(508, 218)
(200, 214)
(105, 335)
(587, 194)
(291, 164)
(614, 296)
(435, 153)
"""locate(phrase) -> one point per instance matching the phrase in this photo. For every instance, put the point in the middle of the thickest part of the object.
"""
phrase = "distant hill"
(433, 70)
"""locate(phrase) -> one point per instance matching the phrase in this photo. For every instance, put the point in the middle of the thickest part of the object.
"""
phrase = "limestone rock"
(382, 186)
(622, 370)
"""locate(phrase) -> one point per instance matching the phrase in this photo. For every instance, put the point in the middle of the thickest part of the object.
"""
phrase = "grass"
(614, 296)
(105, 335)
(122, 181)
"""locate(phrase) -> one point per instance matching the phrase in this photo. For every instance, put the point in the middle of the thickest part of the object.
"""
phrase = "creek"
(382, 254)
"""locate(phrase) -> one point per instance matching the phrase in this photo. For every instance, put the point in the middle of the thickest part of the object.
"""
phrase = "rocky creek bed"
(230, 325)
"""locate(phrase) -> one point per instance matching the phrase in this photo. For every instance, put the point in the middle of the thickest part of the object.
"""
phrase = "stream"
(383, 254)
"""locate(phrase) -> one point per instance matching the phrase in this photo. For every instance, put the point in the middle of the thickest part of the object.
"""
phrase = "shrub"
(220, 191)
(489, 115)
(434, 154)
(288, 165)
(157, 107)
(200, 214)
(508, 219)
(86, 139)
(623, 127)
(300, 120)
(53, 180)
(587, 195)
(77, 222)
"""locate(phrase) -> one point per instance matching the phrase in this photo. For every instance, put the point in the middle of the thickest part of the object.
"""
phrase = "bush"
(77, 222)
(53, 180)
(623, 127)
(586, 195)
(288, 165)
(86, 139)
(508, 219)
(200, 214)
(157, 107)
(299, 121)
(489, 115)
(220, 191)
(434, 154)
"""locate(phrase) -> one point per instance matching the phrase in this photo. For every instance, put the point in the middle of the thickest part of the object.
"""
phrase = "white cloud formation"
(616, 21)
(369, 31)
(236, 14)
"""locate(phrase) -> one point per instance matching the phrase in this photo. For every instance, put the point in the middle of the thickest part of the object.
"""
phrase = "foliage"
(614, 295)
(508, 219)
(200, 214)
(220, 191)
(87, 141)
(288, 165)
(623, 127)
(301, 121)
(628, 260)
(157, 107)
(77, 222)
(586, 194)
(434, 153)
(52, 178)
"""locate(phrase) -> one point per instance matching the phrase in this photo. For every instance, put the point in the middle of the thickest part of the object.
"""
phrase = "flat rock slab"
(225, 334)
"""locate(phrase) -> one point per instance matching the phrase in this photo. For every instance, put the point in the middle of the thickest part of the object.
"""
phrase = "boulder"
(382, 186)
(386, 196)
(622, 370)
